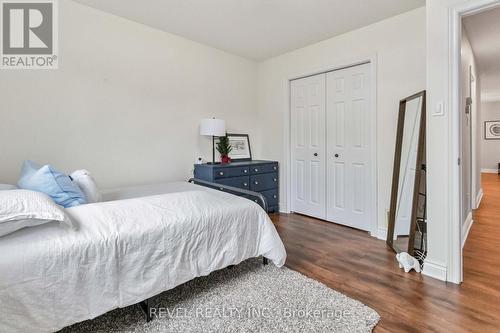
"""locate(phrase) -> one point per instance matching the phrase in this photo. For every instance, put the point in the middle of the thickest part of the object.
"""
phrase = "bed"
(139, 242)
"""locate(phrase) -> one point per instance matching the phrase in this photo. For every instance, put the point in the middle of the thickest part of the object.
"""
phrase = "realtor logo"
(29, 34)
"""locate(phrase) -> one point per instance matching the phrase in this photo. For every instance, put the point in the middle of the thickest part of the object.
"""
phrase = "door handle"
(336, 155)
(316, 154)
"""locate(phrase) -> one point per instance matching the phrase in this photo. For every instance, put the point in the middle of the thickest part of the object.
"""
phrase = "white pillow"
(23, 208)
(6, 187)
(87, 184)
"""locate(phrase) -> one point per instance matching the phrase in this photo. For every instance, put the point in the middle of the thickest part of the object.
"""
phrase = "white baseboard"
(466, 228)
(381, 234)
(434, 270)
(489, 170)
(479, 197)
(283, 208)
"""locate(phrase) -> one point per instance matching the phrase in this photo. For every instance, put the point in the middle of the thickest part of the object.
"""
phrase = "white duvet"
(122, 252)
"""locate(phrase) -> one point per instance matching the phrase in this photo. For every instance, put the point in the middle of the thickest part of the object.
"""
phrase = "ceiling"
(483, 31)
(256, 29)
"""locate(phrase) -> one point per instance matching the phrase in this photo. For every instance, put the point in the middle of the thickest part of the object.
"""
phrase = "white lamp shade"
(213, 127)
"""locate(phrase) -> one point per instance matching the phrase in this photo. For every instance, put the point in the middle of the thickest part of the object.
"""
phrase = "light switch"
(439, 109)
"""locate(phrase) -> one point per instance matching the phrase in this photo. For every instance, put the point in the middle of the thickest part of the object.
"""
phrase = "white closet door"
(348, 117)
(308, 146)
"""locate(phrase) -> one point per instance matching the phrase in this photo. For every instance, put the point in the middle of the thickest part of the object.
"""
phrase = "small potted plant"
(224, 148)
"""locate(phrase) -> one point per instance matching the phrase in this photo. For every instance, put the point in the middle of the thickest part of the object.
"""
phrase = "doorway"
(479, 81)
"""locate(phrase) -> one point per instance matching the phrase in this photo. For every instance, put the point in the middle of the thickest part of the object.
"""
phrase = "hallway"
(481, 253)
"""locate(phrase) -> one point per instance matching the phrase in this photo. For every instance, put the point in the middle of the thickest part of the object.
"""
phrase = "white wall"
(439, 145)
(125, 102)
(490, 149)
(398, 43)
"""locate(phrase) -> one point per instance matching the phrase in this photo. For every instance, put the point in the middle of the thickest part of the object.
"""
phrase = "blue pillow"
(55, 184)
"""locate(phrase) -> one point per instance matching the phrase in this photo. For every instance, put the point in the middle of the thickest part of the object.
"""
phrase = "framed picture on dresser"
(240, 144)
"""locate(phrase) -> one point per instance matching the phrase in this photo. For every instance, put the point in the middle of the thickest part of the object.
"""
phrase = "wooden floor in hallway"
(362, 267)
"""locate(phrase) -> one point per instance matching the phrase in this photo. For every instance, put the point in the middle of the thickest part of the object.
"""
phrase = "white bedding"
(122, 252)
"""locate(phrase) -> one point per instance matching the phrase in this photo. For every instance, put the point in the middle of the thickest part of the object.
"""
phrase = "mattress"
(138, 243)
(149, 190)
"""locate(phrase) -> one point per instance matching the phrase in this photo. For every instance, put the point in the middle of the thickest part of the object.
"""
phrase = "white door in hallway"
(349, 147)
(308, 189)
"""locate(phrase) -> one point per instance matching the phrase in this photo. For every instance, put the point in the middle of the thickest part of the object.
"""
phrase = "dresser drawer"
(239, 182)
(266, 181)
(231, 172)
(272, 197)
(264, 168)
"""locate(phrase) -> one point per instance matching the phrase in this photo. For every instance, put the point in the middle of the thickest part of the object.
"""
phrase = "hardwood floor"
(362, 267)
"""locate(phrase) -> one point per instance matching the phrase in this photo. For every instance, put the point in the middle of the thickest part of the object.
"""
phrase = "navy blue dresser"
(257, 176)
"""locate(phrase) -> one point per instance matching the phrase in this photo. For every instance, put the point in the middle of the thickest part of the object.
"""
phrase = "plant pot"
(225, 159)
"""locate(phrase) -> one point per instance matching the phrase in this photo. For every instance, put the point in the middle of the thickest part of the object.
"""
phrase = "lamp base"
(213, 149)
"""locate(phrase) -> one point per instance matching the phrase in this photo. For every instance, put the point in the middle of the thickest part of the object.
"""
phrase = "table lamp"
(213, 127)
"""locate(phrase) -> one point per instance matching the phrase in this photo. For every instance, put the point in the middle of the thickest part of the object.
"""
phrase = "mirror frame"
(395, 174)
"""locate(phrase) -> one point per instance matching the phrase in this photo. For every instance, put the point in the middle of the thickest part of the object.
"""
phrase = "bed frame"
(257, 197)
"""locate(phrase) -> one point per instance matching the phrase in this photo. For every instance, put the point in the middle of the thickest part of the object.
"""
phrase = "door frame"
(454, 271)
(474, 140)
(369, 59)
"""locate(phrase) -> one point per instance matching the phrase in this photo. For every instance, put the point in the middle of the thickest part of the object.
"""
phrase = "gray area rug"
(249, 297)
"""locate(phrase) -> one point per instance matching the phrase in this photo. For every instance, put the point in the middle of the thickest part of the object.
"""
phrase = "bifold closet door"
(348, 128)
(308, 192)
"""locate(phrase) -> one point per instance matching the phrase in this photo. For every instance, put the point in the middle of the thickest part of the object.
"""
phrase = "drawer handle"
(256, 183)
(256, 170)
(245, 184)
(275, 168)
(275, 196)
(221, 173)
(275, 180)
(245, 171)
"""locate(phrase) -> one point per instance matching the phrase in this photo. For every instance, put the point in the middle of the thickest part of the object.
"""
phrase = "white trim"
(374, 137)
(287, 148)
(380, 234)
(454, 265)
(479, 198)
(489, 170)
(434, 270)
(474, 172)
(372, 60)
(466, 228)
(283, 208)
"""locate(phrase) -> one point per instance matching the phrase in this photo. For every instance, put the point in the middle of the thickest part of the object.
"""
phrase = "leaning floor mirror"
(407, 217)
